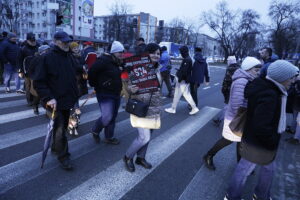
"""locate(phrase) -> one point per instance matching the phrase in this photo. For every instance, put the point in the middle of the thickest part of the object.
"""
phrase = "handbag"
(143, 122)
(238, 123)
(137, 107)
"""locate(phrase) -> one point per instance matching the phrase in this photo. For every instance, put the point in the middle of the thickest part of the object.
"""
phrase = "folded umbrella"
(48, 138)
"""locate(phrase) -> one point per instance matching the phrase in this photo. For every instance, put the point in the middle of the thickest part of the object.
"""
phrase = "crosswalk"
(175, 151)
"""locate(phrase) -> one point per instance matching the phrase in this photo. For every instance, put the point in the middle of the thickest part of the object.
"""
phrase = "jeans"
(109, 106)
(165, 75)
(294, 120)
(60, 141)
(239, 178)
(182, 88)
(194, 92)
(222, 143)
(139, 145)
(9, 72)
(297, 133)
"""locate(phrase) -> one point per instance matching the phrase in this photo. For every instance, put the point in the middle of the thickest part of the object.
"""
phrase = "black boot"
(208, 161)
(36, 110)
(96, 137)
(129, 164)
(143, 162)
(66, 164)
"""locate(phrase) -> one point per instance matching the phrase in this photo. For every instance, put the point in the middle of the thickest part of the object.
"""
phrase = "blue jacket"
(264, 69)
(9, 52)
(164, 61)
(199, 70)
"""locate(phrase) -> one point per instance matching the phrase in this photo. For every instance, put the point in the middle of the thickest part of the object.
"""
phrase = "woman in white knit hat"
(249, 70)
(266, 120)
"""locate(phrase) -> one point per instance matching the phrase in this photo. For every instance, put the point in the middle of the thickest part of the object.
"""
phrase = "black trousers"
(60, 141)
(165, 75)
(194, 92)
(1, 72)
(222, 143)
(29, 96)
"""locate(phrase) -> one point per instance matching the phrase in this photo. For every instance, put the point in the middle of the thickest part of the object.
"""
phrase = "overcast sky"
(190, 9)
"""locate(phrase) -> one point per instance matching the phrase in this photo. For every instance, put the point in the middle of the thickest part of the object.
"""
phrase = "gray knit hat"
(11, 35)
(43, 48)
(282, 70)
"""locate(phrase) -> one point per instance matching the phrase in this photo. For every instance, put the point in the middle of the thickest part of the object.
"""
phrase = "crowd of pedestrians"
(57, 75)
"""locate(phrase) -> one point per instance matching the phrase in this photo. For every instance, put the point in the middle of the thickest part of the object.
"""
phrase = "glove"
(52, 104)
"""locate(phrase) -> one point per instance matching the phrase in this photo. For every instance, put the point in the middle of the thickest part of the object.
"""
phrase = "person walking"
(28, 51)
(55, 83)
(249, 70)
(226, 85)
(81, 75)
(266, 120)
(31, 74)
(105, 77)
(88, 55)
(266, 55)
(9, 52)
(183, 77)
(140, 46)
(199, 73)
(165, 69)
(146, 124)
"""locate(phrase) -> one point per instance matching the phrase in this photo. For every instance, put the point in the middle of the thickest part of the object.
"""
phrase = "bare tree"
(120, 26)
(285, 26)
(10, 15)
(233, 28)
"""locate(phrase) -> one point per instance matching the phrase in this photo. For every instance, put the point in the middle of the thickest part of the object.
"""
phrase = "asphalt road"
(176, 152)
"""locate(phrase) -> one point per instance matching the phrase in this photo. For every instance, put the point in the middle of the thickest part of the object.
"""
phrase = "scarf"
(282, 121)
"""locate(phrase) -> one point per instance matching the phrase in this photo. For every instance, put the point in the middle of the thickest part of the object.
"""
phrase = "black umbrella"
(48, 138)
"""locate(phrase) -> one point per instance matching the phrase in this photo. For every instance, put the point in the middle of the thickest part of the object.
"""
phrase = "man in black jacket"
(9, 52)
(183, 78)
(266, 120)
(105, 77)
(140, 46)
(26, 55)
(55, 83)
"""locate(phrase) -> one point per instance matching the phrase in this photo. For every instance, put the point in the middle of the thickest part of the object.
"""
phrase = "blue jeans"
(109, 106)
(239, 178)
(9, 72)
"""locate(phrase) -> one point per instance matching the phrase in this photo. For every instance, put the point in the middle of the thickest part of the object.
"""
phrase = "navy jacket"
(55, 77)
(185, 70)
(199, 70)
(9, 53)
(26, 52)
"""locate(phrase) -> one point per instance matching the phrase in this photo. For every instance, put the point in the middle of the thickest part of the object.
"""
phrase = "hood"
(258, 85)
(198, 57)
(239, 73)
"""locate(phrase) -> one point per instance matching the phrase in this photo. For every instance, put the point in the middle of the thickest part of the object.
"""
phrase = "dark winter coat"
(227, 81)
(264, 69)
(261, 138)
(293, 101)
(27, 52)
(81, 83)
(140, 49)
(185, 71)
(199, 70)
(55, 78)
(105, 75)
(9, 53)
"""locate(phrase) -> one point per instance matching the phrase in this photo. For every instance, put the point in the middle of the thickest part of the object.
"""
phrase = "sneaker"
(96, 137)
(194, 111)
(66, 164)
(7, 90)
(209, 162)
(113, 141)
(170, 110)
(226, 197)
(20, 91)
(36, 111)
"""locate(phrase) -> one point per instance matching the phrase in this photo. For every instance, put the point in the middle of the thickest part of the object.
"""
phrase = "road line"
(205, 88)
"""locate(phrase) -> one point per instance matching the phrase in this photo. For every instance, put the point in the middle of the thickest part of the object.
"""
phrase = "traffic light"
(59, 19)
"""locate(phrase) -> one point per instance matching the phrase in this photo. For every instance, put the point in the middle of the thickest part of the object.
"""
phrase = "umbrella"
(48, 138)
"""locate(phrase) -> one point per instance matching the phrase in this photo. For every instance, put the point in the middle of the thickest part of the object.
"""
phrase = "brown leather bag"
(238, 123)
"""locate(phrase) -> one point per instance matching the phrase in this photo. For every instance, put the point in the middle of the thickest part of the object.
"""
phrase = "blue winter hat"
(282, 70)
(62, 36)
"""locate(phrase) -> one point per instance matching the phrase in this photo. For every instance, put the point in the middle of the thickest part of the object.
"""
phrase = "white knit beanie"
(250, 62)
(116, 47)
(231, 60)
(282, 70)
